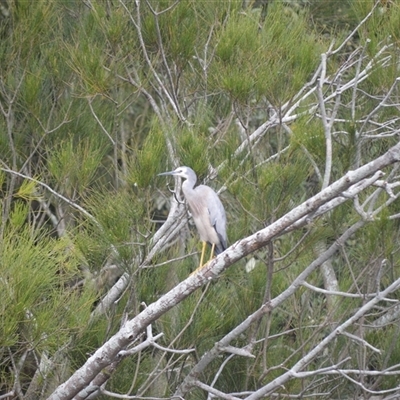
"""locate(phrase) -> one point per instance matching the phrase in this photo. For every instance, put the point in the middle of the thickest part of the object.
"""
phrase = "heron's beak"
(167, 173)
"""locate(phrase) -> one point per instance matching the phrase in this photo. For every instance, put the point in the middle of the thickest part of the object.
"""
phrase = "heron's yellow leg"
(201, 258)
(212, 251)
(202, 255)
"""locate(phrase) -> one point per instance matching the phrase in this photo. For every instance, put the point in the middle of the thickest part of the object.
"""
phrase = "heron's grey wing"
(217, 218)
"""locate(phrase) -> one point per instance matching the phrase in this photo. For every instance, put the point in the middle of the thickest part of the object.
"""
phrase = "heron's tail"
(219, 248)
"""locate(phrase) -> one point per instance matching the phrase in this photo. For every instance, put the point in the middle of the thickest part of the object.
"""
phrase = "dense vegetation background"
(271, 103)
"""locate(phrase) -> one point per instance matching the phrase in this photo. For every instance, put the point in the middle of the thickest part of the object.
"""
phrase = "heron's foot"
(199, 268)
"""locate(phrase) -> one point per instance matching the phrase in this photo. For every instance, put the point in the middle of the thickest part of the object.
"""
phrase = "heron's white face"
(182, 172)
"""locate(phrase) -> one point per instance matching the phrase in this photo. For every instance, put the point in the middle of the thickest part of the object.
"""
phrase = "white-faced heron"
(207, 211)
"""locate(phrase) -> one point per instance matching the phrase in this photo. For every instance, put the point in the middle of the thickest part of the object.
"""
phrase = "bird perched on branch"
(207, 211)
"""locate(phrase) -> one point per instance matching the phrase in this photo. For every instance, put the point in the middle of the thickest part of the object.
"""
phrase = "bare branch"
(276, 383)
(52, 191)
(90, 100)
(108, 353)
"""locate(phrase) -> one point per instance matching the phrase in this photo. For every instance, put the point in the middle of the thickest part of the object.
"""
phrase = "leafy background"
(98, 97)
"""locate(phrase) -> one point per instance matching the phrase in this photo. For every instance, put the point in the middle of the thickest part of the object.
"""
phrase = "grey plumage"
(206, 208)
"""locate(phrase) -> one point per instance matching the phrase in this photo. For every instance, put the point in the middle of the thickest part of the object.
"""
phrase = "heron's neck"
(186, 185)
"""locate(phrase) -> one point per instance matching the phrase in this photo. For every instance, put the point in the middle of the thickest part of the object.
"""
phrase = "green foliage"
(97, 98)
(37, 311)
(75, 164)
(193, 150)
(183, 30)
(384, 22)
(254, 61)
(18, 215)
(118, 230)
(388, 339)
(145, 162)
(309, 134)
(87, 62)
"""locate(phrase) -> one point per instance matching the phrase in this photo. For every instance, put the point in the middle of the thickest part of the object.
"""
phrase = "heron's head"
(183, 172)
